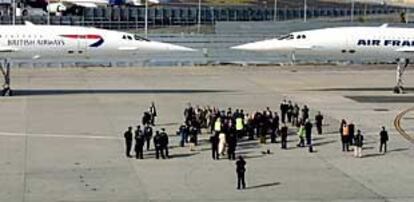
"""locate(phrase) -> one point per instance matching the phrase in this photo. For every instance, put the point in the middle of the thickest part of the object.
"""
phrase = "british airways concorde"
(389, 43)
(58, 42)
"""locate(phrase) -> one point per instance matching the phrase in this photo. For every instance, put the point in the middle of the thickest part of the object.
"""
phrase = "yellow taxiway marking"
(397, 124)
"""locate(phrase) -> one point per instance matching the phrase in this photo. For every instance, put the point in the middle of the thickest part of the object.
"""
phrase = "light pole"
(305, 8)
(275, 11)
(199, 17)
(14, 12)
(352, 10)
(146, 19)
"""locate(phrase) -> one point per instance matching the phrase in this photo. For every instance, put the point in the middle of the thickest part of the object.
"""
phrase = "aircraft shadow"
(46, 92)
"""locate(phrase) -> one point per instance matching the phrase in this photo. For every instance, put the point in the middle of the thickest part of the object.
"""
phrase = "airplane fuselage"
(59, 42)
(343, 43)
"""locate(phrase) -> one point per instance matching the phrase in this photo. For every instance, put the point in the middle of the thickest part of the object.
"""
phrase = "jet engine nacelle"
(56, 8)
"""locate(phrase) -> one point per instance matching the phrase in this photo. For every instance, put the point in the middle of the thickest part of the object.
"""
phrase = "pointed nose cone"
(163, 47)
(255, 46)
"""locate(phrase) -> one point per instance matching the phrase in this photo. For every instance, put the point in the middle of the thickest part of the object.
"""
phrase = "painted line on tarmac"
(397, 124)
(93, 137)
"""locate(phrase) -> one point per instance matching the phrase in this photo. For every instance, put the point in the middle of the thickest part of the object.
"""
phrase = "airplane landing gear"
(5, 70)
(401, 67)
(292, 58)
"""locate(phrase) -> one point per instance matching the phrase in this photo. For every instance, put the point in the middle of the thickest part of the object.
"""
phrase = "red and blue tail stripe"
(96, 44)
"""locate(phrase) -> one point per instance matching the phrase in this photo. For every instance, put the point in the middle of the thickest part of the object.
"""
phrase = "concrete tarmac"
(61, 135)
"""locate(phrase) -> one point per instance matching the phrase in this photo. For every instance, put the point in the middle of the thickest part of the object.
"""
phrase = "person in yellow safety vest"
(217, 125)
(239, 127)
(301, 134)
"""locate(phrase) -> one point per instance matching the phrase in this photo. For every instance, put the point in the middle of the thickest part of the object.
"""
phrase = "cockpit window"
(286, 37)
(140, 38)
(129, 37)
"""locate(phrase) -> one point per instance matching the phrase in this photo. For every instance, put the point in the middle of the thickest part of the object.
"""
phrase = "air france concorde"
(50, 42)
(363, 43)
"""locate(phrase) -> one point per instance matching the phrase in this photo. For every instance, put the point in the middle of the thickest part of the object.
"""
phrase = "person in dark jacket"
(275, 128)
(383, 140)
(157, 144)
(128, 142)
(139, 144)
(148, 132)
(308, 135)
(289, 113)
(318, 122)
(284, 107)
(183, 131)
(359, 142)
(284, 134)
(231, 148)
(305, 112)
(241, 170)
(351, 132)
(164, 143)
(146, 118)
(153, 112)
(214, 140)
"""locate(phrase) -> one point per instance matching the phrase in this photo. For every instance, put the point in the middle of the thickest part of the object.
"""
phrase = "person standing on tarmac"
(232, 144)
(319, 122)
(157, 144)
(301, 134)
(295, 115)
(214, 140)
(289, 112)
(239, 126)
(241, 170)
(148, 135)
(153, 112)
(284, 134)
(183, 131)
(351, 132)
(164, 144)
(139, 144)
(305, 113)
(344, 132)
(308, 132)
(383, 140)
(359, 142)
(283, 110)
(128, 142)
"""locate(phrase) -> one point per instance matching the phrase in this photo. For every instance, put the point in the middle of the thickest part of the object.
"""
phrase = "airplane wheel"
(398, 90)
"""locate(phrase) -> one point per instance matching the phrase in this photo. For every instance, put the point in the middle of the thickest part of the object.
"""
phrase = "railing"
(132, 17)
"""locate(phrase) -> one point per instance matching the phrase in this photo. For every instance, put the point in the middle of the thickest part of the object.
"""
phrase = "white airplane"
(64, 42)
(359, 43)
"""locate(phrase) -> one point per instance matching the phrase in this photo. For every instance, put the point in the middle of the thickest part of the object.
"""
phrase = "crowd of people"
(228, 127)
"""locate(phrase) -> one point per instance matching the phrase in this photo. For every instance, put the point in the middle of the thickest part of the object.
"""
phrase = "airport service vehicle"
(359, 43)
(65, 42)
(401, 3)
(59, 6)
